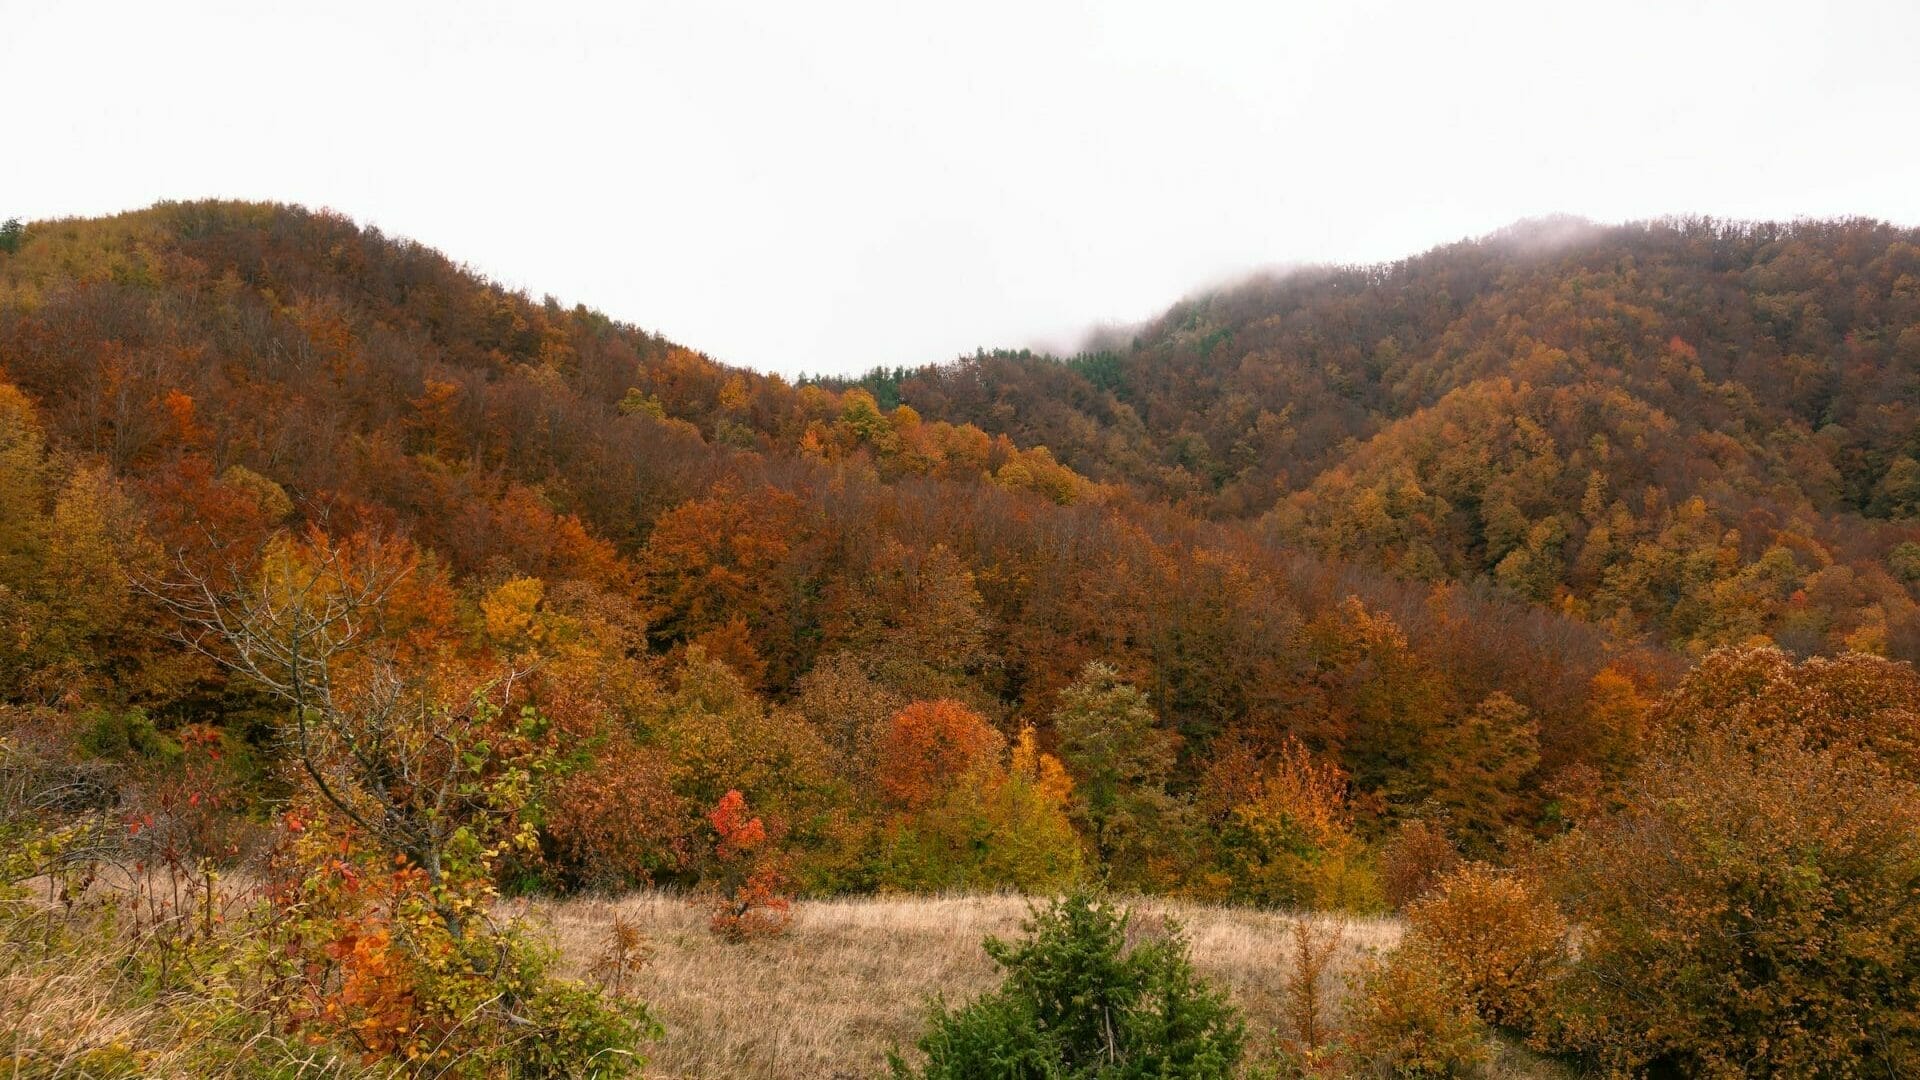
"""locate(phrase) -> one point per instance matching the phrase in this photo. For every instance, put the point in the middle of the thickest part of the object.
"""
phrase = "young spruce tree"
(1079, 1003)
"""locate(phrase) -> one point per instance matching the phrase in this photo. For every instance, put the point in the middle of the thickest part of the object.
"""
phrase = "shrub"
(109, 734)
(616, 821)
(625, 955)
(1504, 942)
(1304, 991)
(1750, 910)
(1077, 1002)
(575, 1032)
(1407, 1018)
(748, 887)
(361, 955)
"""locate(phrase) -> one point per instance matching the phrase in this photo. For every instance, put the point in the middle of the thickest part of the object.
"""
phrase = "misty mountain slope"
(1708, 429)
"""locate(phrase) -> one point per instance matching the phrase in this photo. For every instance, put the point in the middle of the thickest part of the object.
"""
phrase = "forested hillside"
(330, 566)
(1705, 430)
(188, 380)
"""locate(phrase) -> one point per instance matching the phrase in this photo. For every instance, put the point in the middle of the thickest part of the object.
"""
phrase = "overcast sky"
(827, 186)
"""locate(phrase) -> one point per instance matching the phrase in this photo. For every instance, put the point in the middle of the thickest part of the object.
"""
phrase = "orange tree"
(997, 825)
(747, 884)
(927, 747)
(1281, 831)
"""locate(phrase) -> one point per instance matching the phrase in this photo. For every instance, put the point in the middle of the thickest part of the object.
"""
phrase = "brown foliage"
(1581, 427)
(848, 709)
(623, 958)
(1307, 998)
(619, 821)
(1408, 1019)
(1853, 700)
(1415, 859)
(1749, 908)
(1503, 940)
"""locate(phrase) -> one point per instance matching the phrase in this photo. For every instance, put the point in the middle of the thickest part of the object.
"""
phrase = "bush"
(576, 1032)
(1304, 991)
(1503, 941)
(362, 954)
(109, 734)
(1750, 911)
(1077, 1002)
(748, 897)
(329, 950)
(1409, 1019)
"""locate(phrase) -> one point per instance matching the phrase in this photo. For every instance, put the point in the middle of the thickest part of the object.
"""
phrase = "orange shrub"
(1407, 1018)
(1504, 942)
(750, 901)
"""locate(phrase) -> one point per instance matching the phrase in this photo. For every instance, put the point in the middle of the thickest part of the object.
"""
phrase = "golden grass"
(65, 1013)
(74, 1009)
(852, 978)
(849, 982)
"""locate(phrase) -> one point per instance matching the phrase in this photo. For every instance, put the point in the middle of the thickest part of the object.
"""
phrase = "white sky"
(824, 186)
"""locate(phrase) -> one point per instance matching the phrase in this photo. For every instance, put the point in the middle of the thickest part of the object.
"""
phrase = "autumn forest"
(1555, 594)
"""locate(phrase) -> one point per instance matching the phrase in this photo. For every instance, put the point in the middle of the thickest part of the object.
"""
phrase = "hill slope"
(1708, 430)
(793, 561)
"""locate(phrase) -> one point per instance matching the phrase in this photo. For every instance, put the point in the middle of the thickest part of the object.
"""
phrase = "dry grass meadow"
(852, 978)
(850, 981)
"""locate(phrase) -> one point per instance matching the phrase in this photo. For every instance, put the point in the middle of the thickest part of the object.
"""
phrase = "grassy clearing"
(852, 978)
(849, 982)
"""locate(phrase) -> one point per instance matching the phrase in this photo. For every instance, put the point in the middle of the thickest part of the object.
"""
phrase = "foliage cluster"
(718, 580)
(1742, 909)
